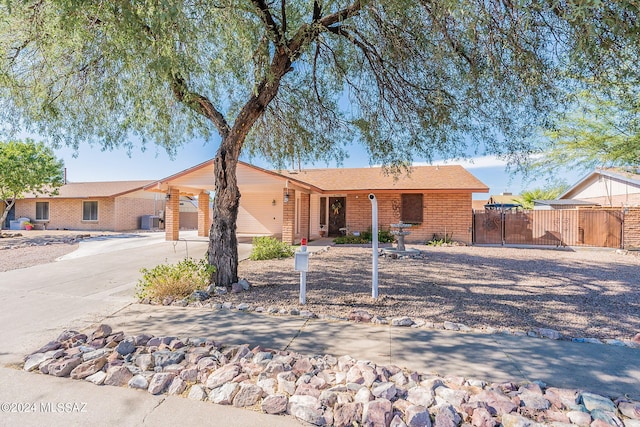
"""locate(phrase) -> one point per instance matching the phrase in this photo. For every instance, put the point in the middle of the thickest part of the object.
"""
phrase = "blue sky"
(93, 164)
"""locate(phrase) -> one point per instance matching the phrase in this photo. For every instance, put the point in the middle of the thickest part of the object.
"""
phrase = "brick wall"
(67, 213)
(204, 221)
(450, 212)
(128, 211)
(631, 232)
(172, 216)
(305, 205)
(289, 217)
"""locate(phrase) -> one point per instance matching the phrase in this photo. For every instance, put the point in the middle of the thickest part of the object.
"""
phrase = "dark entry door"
(10, 216)
(337, 215)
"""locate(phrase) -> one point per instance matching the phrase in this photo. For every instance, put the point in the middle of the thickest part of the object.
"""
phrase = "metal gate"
(580, 227)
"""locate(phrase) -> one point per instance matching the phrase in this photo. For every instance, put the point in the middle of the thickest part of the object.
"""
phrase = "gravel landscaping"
(583, 293)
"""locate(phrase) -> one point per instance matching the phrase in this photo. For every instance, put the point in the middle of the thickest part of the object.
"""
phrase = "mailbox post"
(301, 264)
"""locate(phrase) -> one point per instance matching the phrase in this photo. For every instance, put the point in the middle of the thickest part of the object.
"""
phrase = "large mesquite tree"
(303, 78)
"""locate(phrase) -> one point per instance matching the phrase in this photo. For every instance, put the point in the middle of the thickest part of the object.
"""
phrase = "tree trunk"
(223, 243)
(5, 212)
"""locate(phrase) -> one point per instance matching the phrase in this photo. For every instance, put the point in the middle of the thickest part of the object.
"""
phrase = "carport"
(270, 204)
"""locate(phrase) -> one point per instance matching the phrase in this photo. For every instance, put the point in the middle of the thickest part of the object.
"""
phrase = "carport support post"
(374, 245)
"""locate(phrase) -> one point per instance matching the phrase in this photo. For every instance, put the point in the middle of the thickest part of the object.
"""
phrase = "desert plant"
(269, 248)
(384, 236)
(174, 280)
(440, 241)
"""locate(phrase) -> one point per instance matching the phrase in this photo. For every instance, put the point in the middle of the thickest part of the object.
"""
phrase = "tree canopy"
(27, 167)
(303, 79)
(527, 197)
(599, 130)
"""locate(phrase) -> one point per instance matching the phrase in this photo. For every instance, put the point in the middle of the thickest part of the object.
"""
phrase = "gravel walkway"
(586, 293)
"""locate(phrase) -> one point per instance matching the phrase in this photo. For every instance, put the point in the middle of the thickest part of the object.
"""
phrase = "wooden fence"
(580, 227)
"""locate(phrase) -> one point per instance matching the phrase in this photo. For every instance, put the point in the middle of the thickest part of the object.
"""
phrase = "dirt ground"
(582, 293)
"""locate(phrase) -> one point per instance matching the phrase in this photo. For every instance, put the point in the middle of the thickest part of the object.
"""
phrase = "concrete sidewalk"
(98, 287)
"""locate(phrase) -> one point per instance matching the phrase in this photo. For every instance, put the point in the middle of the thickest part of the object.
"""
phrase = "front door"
(337, 215)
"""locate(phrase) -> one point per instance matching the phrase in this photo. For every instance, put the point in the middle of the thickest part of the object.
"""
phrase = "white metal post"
(374, 245)
(303, 287)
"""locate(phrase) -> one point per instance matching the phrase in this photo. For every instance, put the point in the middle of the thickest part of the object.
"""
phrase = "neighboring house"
(545, 205)
(611, 187)
(108, 206)
(310, 203)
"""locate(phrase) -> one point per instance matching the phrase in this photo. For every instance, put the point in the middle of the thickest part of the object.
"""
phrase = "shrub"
(440, 241)
(174, 280)
(269, 248)
(384, 236)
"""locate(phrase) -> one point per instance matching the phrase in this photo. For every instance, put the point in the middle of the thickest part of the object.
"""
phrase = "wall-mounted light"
(286, 197)
(273, 202)
(168, 196)
(286, 191)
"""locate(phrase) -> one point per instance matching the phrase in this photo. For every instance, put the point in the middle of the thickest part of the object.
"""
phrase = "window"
(89, 211)
(42, 211)
(411, 208)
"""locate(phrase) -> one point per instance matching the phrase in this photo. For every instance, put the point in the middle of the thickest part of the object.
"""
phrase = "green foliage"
(527, 198)
(27, 167)
(269, 248)
(384, 236)
(599, 130)
(174, 280)
(437, 240)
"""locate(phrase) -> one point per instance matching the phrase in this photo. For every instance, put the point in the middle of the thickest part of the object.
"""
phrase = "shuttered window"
(411, 208)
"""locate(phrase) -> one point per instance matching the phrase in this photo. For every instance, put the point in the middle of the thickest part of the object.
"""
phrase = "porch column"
(288, 216)
(204, 223)
(172, 215)
(305, 211)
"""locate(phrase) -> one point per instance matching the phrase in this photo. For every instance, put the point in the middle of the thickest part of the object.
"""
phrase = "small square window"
(42, 211)
(89, 211)
(411, 208)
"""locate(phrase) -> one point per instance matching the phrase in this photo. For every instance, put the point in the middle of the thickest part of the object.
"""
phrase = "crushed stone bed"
(320, 390)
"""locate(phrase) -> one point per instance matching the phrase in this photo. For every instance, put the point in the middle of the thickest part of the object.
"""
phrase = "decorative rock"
(402, 321)
(630, 409)
(549, 333)
(63, 368)
(178, 386)
(579, 418)
(199, 295)
(417, 416)
(245, 284)
(268, 385)
(227, 304)
(125, 347)
(88, 368)
(102, 331)
(514, 420)
(446, 417)
(275, 404)
(242, 306)
(294, 312)
(593, 401)
(286, 383)
(482, 418)
(363, 395)
(377, 413)
(118, 376)
(609, 418)
(160, 381)
(97, 378)
(359, 316)
(248, 395)
(224, 395)
(450, 326)
(34, 360)
(496, 402)
(273, 310)
(450, 396)
(138, 382)
(396, 421)
(534, 401)
(561, 398)
(165, 357)
(420, 396)
(306, 408)
(348, 414)
(385, 391)
(236, 288)
(197, 392)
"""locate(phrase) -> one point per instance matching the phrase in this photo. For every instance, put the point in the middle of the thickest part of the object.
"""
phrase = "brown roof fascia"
(410, 191)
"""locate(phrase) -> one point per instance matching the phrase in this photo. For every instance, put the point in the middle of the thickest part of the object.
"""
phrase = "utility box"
(149, 222)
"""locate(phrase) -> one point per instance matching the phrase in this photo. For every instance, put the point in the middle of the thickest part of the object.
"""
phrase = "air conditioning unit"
(149, 222)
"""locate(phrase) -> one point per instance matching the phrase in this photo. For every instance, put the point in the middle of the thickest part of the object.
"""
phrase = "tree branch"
(271, 24)
(343, 14)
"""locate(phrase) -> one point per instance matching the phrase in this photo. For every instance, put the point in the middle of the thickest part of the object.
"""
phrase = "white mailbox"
(301, 261)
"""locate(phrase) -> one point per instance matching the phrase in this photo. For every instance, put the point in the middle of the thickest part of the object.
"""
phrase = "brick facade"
(288, 216)
(631, 231)
(305, 207)
(448, 213)
(172, 215)
(204, 221)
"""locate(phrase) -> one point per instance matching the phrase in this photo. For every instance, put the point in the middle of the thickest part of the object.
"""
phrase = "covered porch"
(270, 205)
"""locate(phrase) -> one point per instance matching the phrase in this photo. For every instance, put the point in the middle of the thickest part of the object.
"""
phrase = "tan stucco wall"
(257, 215)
